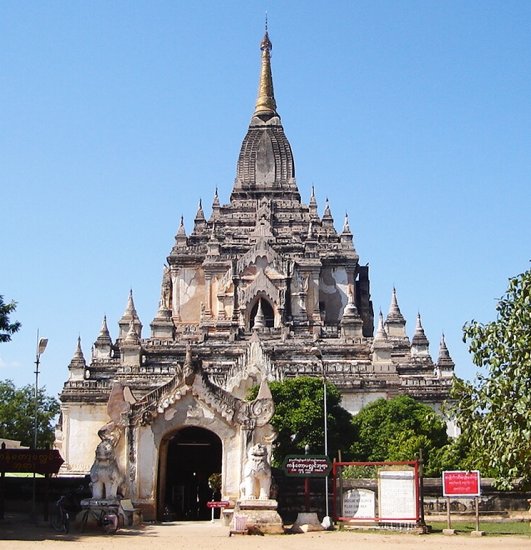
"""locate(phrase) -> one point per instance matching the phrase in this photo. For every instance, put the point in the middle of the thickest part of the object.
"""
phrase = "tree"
(7, 328)
(457, 455)
(17, 414)
(396, 429)
(299, 419)
(494, 411)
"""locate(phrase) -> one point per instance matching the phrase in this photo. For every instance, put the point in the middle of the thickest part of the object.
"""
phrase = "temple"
(263, 288)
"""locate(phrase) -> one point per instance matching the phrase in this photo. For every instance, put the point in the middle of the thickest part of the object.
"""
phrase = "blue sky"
(117, 117)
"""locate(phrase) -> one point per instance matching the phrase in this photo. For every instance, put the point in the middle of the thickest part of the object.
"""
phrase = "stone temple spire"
(381, 333)
(419, 342)
(78, 364)
(266, 168)
(381, 347)
(200, 223)
(130, 315)
(346, 235)
(265, 102)
(351, 323)
(180, 237)
(395, 322)
(215, 207)
(103, 344)
(327, 219)
(259, 319)
(313, 206)
(445, 364)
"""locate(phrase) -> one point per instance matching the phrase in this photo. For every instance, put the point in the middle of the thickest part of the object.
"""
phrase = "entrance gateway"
(262, 288)
(187, 461)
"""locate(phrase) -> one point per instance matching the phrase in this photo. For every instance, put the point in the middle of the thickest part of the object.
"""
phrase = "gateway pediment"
(262, 249)
(250, 414)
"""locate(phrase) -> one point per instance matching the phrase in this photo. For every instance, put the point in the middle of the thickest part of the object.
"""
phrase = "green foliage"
(7, 328)
(396, 429)
(359, 472)
(458, 455)
(494, 411)
(299, 419)
(214, 482)
(17, 414)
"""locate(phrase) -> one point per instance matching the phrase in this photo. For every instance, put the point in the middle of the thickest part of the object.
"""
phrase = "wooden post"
(2, 487)
(477, 513)
(46, 496)
(421, 489)
(2, 491)
(448, 518)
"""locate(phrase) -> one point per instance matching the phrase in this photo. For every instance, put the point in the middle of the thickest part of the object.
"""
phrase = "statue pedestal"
(94, 510)
(259, 513)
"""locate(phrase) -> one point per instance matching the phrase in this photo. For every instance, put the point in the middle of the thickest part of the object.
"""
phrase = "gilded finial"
(265, 103)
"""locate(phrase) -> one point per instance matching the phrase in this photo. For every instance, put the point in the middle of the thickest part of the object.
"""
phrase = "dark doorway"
(268, 312)
(193, 455)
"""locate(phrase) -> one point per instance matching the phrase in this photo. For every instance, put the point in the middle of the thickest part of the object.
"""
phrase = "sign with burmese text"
(217, 503)
(39, 461)
(461, 483)
(306, 465)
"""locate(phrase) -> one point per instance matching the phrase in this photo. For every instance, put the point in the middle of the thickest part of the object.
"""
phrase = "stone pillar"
(314, 306)
(208, 295)
(221, 308)
(235, 306)
(176, 294)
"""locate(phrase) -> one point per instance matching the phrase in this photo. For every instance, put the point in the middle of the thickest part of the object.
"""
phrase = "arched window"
(267, 310)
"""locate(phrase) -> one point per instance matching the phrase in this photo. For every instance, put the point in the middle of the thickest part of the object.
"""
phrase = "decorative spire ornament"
(259, 319)
(265, 102)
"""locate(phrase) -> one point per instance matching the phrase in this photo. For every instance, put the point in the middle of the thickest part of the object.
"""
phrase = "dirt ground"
(17, 535)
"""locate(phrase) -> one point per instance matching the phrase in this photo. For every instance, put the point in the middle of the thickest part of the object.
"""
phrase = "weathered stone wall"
(333, 287)
(192, 294)
(80, 425)
(355, 401)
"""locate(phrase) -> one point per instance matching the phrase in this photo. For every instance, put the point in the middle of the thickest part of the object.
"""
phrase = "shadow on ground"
(21, 527)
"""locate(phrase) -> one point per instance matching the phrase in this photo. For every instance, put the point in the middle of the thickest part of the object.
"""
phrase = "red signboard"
(307, 465)
(461, 483)
(217, 503)
(39, 461)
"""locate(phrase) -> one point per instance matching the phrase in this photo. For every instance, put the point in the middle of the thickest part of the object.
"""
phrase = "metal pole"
(317, 352)
(36, 403)
(325, 436)
(41, 346)
(36, 410)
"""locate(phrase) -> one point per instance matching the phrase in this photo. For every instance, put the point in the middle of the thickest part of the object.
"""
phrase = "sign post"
(460, 483)
(213, 504)
(36, 461)
(306, 466)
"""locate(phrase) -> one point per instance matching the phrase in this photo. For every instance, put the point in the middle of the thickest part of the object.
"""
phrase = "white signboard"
(359, 503)
(397, 495)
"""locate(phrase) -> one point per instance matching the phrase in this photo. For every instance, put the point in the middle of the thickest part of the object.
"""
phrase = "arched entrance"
(267, 310)
(188, 458)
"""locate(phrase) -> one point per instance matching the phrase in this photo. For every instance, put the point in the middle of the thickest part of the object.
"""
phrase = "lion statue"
(256, 474)
(105, 476)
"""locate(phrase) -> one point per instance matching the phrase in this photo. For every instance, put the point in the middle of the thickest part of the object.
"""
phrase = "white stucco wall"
(81, 423)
